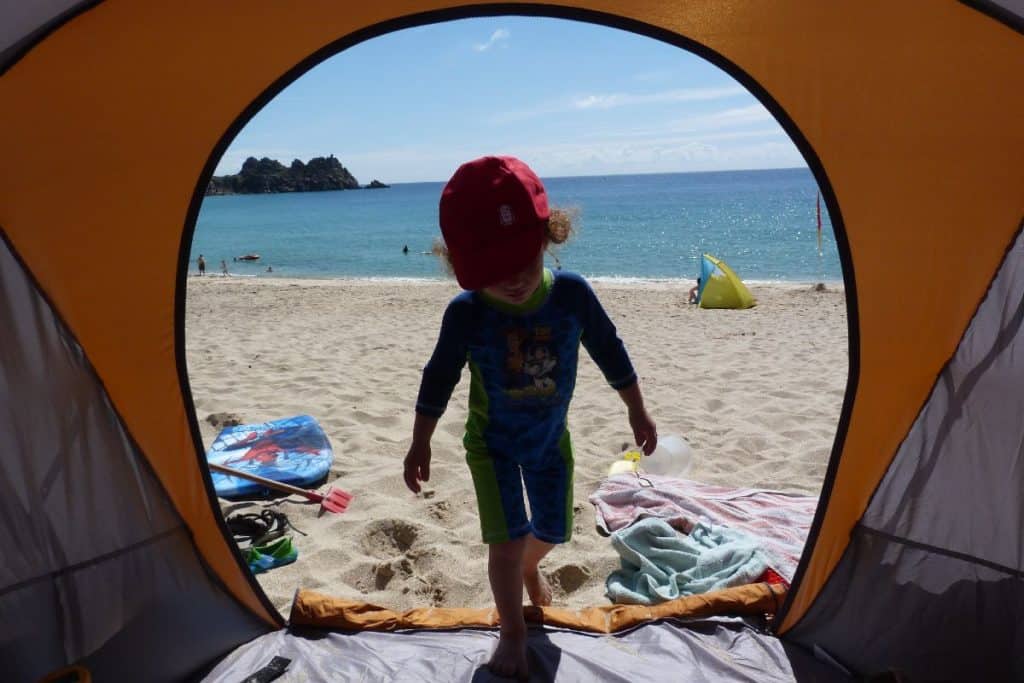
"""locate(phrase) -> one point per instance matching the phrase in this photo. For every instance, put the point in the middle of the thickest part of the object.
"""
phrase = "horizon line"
(590, 175)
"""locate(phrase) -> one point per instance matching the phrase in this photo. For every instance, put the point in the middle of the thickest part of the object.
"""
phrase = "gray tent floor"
(719, 649)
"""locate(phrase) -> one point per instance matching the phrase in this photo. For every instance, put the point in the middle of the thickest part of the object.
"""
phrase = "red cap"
(493, 217)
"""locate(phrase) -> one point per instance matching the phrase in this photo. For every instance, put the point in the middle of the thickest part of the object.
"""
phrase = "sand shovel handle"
(269, 483)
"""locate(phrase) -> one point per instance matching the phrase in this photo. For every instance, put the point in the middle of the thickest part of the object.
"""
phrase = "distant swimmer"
(270, 269)
(201, 262)
(405, 249)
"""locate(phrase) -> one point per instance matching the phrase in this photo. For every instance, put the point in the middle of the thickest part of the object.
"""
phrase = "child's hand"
(644, 430)
(417, 465)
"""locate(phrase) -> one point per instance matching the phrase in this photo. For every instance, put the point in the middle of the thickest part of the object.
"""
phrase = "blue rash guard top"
(523, 362)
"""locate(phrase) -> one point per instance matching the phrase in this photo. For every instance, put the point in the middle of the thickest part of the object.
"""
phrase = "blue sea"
(652, 226)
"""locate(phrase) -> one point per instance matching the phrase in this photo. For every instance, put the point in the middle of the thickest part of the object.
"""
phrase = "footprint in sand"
(384, 572)
(577, 513)
(569, 577)
(430, 590)
(224, 419)
(388, 535)
(382, 575)
(441, 510)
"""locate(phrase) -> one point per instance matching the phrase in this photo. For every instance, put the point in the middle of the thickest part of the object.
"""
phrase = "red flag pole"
(818, 206)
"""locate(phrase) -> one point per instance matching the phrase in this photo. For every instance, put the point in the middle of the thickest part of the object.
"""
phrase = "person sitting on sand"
(496, 223)
(201, 264)
(694, 296)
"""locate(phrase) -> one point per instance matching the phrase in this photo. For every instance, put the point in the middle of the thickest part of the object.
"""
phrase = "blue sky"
(566, 97)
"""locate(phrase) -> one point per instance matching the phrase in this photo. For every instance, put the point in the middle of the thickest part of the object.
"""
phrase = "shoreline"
(610, 280)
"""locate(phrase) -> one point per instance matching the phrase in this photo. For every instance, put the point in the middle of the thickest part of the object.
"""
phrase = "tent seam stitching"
(917, 545)
(70, 569)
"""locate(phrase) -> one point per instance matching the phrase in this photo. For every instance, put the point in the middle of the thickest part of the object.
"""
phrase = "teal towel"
(660, 564)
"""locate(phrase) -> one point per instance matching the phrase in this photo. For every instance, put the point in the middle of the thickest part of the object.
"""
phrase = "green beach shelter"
(113, 117)
(720, 287)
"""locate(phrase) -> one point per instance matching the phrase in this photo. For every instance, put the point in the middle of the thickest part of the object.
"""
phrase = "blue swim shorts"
(499, 480)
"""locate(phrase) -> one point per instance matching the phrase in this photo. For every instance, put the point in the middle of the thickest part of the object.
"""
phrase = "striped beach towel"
(778, 521)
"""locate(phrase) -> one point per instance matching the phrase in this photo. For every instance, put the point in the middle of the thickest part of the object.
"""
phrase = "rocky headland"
(264, 176)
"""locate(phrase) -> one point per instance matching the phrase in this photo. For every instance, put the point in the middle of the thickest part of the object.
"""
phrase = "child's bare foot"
(509, 658)
(537, 587)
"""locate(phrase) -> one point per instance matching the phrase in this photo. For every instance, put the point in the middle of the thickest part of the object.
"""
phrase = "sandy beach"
(757, 394)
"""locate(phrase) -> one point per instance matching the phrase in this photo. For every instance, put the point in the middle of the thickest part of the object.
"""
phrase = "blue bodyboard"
(293, 450)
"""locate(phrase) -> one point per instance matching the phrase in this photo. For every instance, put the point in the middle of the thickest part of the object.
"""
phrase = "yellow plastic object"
(622, 467)
(627, 465)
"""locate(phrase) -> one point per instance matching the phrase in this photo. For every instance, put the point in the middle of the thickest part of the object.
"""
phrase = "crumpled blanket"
(779, 521)
(660, 564)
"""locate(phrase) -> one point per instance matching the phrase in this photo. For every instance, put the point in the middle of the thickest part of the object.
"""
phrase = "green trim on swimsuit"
(479, 411)
(535, 301)
(493, 525)
(565, 446)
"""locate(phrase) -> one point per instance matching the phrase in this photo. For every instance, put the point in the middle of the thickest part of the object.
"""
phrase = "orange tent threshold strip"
(315, 609)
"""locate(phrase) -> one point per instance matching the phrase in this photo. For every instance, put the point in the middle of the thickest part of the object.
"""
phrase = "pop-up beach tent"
(113, 116)
(720, 287)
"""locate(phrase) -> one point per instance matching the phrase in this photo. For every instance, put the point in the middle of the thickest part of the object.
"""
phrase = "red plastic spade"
(335, 500)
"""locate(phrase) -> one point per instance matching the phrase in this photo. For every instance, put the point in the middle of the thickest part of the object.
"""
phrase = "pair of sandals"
(261, 539)
(258, 528)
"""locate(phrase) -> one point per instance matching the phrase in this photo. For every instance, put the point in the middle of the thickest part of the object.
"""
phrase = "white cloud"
(714, 121)
(663, 155)
(498, 36)
(740, 116)
(615, 100)
(593, 102)
(609, 154)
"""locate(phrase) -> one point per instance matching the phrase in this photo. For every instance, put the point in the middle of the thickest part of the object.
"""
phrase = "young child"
(519, 326)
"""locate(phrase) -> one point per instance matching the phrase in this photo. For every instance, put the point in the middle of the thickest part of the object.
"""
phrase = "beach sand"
(757, 393)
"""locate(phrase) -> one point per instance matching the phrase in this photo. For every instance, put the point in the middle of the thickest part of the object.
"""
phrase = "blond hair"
(561, 225)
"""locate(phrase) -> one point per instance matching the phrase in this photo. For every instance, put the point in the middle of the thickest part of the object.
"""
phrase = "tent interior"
(909, 117)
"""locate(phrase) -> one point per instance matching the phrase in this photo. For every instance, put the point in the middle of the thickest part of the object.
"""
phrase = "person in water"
(519, 325)
(201, 264)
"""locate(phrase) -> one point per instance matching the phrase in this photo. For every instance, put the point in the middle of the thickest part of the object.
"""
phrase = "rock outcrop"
(259, 176)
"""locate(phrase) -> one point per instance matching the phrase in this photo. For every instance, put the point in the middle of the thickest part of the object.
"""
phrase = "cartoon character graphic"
(263, 451)
(539, 363)
(514, 338)
(529, 363)
(292, 450)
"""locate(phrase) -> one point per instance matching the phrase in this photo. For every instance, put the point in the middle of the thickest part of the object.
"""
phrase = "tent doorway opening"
(321, 295)
(119, 547)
